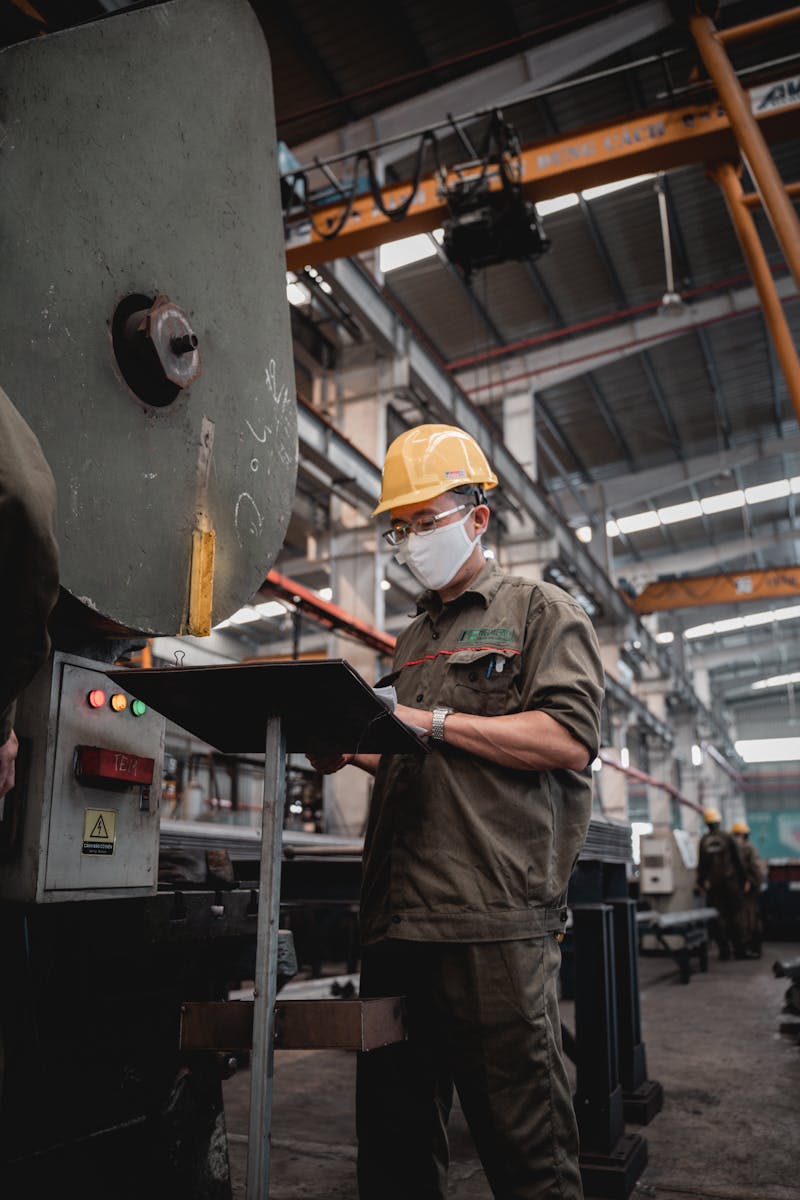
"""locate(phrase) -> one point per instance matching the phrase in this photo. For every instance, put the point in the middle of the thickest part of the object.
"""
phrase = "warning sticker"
(99, 831)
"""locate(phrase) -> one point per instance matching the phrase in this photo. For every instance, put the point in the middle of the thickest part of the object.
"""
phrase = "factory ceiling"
(657, 389)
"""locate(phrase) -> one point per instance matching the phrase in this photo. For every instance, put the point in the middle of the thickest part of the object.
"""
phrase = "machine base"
(643, 1104)
(613, 1176)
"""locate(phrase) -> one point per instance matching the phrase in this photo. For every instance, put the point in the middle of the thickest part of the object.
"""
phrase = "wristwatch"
(437, 725)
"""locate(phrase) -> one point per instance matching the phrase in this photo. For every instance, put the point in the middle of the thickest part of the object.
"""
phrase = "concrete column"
(613, 784)
(687, 745)
(659, 802)
(519, 429)
(356, 572)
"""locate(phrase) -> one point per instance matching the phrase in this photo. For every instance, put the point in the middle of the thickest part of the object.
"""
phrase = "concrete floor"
(729, 1129)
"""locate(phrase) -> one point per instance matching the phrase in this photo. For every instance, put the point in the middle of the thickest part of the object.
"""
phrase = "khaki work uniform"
(720, 873)
(466, 866)
(751, 906)
(28, 558)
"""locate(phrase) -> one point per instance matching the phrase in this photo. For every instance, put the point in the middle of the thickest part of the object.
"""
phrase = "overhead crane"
(732, 587)
(641, 143)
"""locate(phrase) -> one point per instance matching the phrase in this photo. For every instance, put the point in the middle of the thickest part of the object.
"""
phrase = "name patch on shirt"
(501, 637)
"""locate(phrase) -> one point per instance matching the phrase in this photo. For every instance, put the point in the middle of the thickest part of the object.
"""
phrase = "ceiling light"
(297, 294)
(759, 618)
(776, 681)
(612, 529)
(244, 616)
(767, 491)
(665, 637)
(789, 613)
(697, 756)
(402, 253)
(584, 533)
(729, 626)
(722, 502)
(769, 749)
(680, 512)
(698, 631)
(271, 608)
(638, 521)
(546, 207)
(605, 189)
(325, 593)
(385, 585)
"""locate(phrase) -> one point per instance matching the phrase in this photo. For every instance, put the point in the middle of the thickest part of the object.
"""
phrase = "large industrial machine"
(146, 340)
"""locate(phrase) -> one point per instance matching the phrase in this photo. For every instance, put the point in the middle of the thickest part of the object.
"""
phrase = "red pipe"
(642, 777)
(552, 335)
(656, 337)
(440, 66)
(330, 615)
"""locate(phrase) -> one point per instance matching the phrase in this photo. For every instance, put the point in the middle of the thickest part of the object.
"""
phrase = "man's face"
(443, 503)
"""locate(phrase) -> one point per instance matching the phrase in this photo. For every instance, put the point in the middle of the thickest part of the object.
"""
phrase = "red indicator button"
(96, 698)
(94, 764)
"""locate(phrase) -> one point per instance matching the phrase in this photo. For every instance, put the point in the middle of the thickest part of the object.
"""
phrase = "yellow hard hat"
(430, 459)
(712, 816)
(740, 827)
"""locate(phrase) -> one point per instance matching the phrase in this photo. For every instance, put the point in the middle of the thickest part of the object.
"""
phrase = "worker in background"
(721, 878)
(28, 571)
(469, 848)
(754, 879)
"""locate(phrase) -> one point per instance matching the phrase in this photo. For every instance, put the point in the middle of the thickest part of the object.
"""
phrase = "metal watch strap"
(437, 724)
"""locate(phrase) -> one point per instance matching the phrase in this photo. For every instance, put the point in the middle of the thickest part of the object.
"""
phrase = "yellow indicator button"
(119, 702)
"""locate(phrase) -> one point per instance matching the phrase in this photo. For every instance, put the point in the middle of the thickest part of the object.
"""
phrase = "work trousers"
(729, 927)
(751, 920)
(483, 1017)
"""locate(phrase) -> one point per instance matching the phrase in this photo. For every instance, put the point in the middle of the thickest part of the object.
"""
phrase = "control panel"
(83, 819)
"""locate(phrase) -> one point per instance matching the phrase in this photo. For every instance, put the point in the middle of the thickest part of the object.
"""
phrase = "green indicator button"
(138, 708)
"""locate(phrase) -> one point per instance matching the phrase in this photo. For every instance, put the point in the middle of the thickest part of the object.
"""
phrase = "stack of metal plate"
(607, 841)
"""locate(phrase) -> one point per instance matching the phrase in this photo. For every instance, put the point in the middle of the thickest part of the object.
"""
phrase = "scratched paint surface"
(123, 172)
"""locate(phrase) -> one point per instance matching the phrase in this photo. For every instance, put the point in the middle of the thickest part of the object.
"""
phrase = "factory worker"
(469, 848)
(28, 571)
(754, 880)
(721, 878)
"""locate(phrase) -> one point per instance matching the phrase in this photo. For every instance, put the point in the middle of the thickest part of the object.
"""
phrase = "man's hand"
(328, 764)
(8, 754)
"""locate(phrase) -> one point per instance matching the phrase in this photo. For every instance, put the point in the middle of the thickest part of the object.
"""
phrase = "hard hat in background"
(740, 827)
(428, 460)
(712, 816)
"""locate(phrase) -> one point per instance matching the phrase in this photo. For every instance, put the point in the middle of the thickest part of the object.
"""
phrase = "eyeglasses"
(422, 525)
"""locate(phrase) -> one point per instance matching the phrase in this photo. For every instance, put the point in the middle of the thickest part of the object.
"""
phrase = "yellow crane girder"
(732, 587)
(571, 162)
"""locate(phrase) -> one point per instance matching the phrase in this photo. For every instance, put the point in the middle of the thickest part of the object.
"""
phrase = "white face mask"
(435, 558)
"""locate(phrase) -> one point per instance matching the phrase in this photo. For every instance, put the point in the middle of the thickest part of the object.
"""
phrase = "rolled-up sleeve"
(562, 673)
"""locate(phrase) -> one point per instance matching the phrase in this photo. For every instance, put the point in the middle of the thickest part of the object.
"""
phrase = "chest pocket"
(478, 681)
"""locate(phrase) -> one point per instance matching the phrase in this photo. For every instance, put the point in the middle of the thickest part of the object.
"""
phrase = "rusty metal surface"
(299, 1024)
(138, 160)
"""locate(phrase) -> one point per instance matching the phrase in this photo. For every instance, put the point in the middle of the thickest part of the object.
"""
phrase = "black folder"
(325, 706)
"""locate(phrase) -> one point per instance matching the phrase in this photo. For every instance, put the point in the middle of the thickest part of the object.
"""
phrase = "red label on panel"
(93, 762)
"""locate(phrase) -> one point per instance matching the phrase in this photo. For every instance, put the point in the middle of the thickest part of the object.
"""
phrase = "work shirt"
(719, 863)
(28, 558)
(458, 848)
(753, 867)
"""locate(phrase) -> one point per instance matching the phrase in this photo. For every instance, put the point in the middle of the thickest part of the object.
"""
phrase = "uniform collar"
(484, 585)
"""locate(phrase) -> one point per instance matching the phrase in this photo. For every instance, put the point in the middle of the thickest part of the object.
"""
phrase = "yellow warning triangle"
(99, 829)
